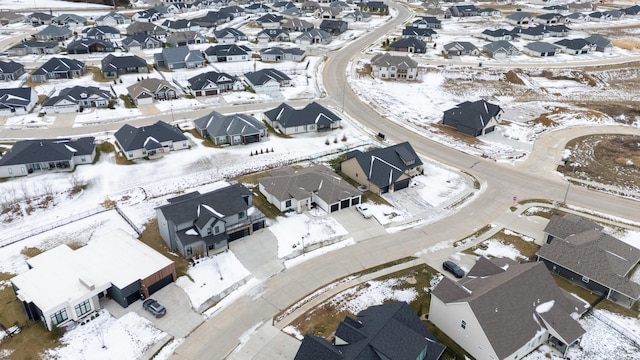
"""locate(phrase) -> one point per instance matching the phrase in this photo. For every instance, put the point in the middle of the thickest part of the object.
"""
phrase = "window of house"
(463, 324)
(216, 230)
(59, 317)
(585, 279)
(189, 250)
(209, 231)
(83, 308)
(287, 203)
(10, 171)
(130, 155)
(241, 215)
(184, 144)
(83, 158)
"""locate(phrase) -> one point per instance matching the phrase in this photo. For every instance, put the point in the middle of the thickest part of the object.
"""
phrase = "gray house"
(114, 66)
(333, 27)
(540, 49)
(229, 36)
(574, 46)
(473, 118)
(578, 250)
(184, 38)
(277, 54)
(600, 43)
(146, 91)
(88, 46)
(179, 58)
(267, 80)
(311, 118)
(314, 36)
(112, 19)
(10, 70)
(34, 47)
(460, 48)
(76, 98)
(101, 32)
(58, 68)
(54, 33)
(214, 83)
(197, 224)
(230, 129)
(297, 189)
(227, 53)
(268, 35)
(140, 42)
(17, 101)
(410, 45)
(29, 156)
(152, 141)
(501, 49)
(69, 20)
(387, 66)
(424, 34)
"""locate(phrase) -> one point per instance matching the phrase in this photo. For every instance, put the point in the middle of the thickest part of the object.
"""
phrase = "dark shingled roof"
(44, 150)
(228, 125)
(132, 138)
(384, 166)
(313, 113)
(474, 115)
(562, 227)
(263, 76)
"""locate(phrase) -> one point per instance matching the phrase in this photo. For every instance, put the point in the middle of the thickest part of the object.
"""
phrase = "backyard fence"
(617, 327)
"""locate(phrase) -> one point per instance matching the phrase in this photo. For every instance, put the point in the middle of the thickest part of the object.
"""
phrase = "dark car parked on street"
(154, 307)
(453, 268)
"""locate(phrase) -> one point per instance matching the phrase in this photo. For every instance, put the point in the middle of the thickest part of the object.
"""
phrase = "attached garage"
(210, 92)
(144, 99)
(345, 203)
(239, 234)
(490, 129)
(401, 184)
(251, 139)
(335, 207)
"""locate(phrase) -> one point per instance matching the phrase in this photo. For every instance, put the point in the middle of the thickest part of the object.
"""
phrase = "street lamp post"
(566, 193)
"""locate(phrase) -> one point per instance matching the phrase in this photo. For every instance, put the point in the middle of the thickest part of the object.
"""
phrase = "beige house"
(387, 66)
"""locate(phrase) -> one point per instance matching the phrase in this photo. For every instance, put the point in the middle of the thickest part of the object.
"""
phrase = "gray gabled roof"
(9, 67)
(56, 64)
(541, 47)
(235, 33)
(474, 115)
(313, 113)
(386, 60)
(84, 44)
(280, 51)
(315, 33)
(573, 44)
(45, 150)
(519, 15)
(496, 46)
(113, 63)
(599, 41)
(510, 304)
(409, 42)
(270, 18)
(562, 227)
(100, 30)
(55, 31)
(180, 54)
(112, 14)
(263, 76)
(226, 201)
(150, 86)
(77, 93)
(229, 125)
(384, 166)
(460, 45)
(200, 81)
(35, 44)
(132, 138)
(300, 184)
(416, 31)
(15, 97)
(140, 39)
(227, 50)
(272, 33)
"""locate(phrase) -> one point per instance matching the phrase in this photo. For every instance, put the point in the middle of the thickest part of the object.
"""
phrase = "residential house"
(227, 53)
(234, 11)
(282, 5)
(38, 18)
(497, 35)
(276, 54)
(376, 333)
(180, 25)
(374, 7)
(257, 8)
(540, 49)
(314, 36)
(297, 25)
(64, 285)
(178, 8)
(290, 189)
(339, 4)
(58, 68)
(599, 16)
(615, 14)
(310, 7)
(464, 10)
(214, 83)
(212, 19)
(270, 21)
(9, 17)
(599, 43)
(557, 8)
(54, 33)
(387, 66)
(233, 129)
(578, 250)
(357, 16)
(473, 118)
(140, 41)
(267, 80)
(383, 170)
(75, 99)
(229, 36)
(112, 19)
(195, 224)
(147, 29)
(184, 38)
(410, 45)
(500, 49)
(17, 101)
(114, 66)
(88, 46)
(560, 30)
(151, 141)
(146, 91)
(459, 48)
(581, 6)
(292, 13)
(311, 118)
(574, 46)
(269, 35)
(179, 58)
(632, 10)
(438, 13)
(333, 27)
(427, 22)
(530, 33)
(550, 18)
(424, 34)
(486, 12)
(10, 70)
(520, 18)
(148, 15)
(102, 32)
(578, 17)
(29, 156)
(34, 47)
(69, 20)
(332, 13)
(505, 310)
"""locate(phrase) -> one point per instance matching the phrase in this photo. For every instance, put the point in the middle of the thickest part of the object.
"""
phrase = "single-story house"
(520, 18)
(69, 20)
(268, 35)
(376, 330)
(277, 54)
(314, 36)
(9, 17)
(10, 70)
(184, 38)
(496, 35)
(270, 21)
(88, 46)
(39, 18)
(297, 189)
(383, 170)
(230, 129)
(58, 68)
(54, 33)
(292, 13)
(550, 18)
(333, 27)
(17, 101)
(357, 16)
(409, 45)
(530, 33)
(214, 83)
(152, 141)
(229, 36)
(180, 25)
(197, 224)
(574, 46)
(64, 285)
(296, 24)
(540, 49)
(76, 98)
(228, 53)
(473, 118)
(311, 118)
(267, 80)
(460, 48)
(146, 28)
(140, 42)
(327, 12)
(427, 22)
(505, 310)
(179, 58)
(500, 49)
(600, 43)
(257, 8)
(101, 32)
(113, 18)
(28, 156)
(113, 66)
(34, 47)
(464, 10)
(387, 66)
(146, 91)
(424, 34)
(578, 250)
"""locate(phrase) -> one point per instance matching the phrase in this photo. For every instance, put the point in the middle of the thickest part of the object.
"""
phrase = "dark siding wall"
(576, 278)
(120, 295)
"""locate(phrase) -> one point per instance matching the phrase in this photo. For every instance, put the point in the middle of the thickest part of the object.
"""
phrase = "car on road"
(453, 268)
(154, 308)
(364, 210)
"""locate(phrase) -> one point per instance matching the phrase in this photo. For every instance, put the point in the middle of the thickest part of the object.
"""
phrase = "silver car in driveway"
(154, 308)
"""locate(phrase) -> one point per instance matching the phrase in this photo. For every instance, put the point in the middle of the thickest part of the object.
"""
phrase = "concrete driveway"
(258, 253)
(357, 226)
(180, 319)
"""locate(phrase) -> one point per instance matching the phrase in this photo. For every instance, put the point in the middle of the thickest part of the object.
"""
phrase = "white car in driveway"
(364, 210)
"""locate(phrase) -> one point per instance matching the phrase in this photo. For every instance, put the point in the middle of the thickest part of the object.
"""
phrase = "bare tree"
(47, 187)
(11, 193)
(76, 183)
(26, 191)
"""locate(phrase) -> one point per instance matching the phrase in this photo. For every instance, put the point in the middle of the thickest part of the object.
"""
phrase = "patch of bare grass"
(151, 236)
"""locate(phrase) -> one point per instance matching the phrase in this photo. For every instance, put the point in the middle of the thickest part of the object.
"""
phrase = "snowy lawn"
(294, 229)
(496, 248)
(212, 276)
